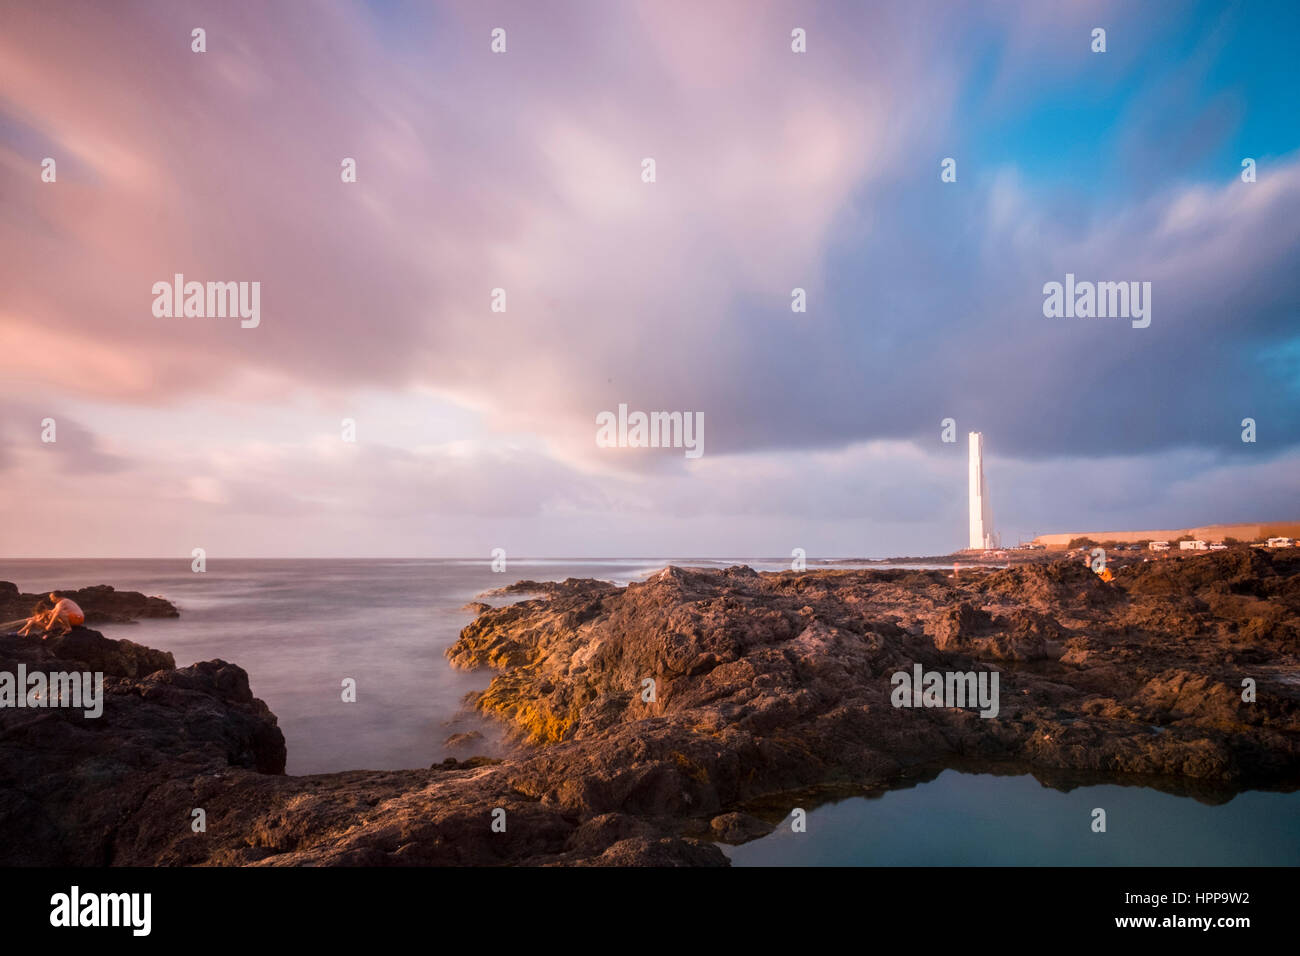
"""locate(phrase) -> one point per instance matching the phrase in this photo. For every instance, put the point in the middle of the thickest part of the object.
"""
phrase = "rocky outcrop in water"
(101, 603)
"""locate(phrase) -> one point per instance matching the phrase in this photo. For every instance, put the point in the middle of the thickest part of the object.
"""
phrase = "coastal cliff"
(766, 688)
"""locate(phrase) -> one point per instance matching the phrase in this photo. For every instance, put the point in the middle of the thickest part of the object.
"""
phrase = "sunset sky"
(475, 429)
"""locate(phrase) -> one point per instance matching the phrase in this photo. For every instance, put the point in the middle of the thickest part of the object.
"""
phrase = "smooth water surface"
(968, 819)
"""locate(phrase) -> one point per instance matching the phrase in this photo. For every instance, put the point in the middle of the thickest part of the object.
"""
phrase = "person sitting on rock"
(61, 618)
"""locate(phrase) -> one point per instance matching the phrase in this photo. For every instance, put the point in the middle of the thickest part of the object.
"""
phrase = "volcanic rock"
(102, 604)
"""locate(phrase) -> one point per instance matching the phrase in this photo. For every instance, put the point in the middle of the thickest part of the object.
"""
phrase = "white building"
(1281, 543)
(1158, 545)
(981, 514)
(1196, 545)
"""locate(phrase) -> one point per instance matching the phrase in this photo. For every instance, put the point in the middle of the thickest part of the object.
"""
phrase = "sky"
(522, 170)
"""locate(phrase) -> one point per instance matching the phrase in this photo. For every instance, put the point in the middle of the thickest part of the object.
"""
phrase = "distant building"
(1159, 545)
(1281, 543)
(1194, 545)
(1059, 541)
(1218, 546)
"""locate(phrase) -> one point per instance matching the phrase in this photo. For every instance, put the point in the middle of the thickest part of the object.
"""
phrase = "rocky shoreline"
(102, 604)
(768, 689)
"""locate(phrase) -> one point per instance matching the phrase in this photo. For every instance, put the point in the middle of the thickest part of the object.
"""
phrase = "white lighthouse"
(981, 515)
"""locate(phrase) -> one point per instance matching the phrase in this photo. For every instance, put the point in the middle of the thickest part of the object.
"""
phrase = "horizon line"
(487, 560)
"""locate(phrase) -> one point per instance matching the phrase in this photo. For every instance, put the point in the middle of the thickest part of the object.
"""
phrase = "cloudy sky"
(522, 170)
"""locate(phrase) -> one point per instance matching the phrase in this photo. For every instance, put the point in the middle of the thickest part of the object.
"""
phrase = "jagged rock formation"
(79, 790)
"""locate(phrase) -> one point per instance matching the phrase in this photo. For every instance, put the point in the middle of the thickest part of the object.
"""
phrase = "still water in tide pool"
(968, 819)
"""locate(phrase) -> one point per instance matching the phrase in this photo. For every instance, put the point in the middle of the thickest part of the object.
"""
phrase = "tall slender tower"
(981, 516)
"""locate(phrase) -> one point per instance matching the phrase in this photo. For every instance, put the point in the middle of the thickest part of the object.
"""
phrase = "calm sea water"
(968, 819)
